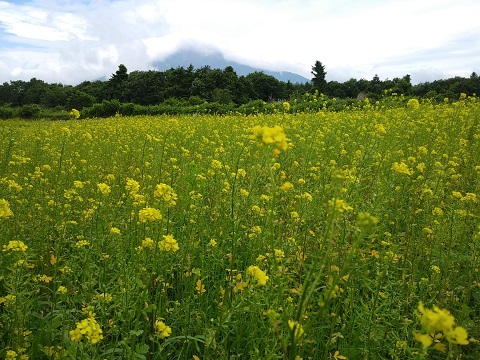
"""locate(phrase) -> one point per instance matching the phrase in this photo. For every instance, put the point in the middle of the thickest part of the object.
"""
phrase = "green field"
(334, 235)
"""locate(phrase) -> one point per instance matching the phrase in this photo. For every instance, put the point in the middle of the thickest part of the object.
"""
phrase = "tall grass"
(321, 250)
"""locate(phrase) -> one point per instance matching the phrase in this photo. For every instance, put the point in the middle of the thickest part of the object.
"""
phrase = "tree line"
(152, 87)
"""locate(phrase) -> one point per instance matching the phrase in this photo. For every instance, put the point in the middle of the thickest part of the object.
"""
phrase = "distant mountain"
(216, 60)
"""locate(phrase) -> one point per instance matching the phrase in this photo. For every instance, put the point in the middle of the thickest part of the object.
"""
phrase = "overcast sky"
(69, 41)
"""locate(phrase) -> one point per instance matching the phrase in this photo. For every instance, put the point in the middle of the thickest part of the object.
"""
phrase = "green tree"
(116, 83)
(319, 73)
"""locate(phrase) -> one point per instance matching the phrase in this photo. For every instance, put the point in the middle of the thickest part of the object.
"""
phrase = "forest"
(216, 90)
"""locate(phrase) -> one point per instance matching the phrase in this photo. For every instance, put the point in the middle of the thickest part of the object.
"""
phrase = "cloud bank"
(70, 41)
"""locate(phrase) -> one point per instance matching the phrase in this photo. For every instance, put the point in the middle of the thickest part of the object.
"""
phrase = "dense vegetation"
(316, 235)
(202, 90)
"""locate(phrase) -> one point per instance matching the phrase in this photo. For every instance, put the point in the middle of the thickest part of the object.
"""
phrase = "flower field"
(334, 235)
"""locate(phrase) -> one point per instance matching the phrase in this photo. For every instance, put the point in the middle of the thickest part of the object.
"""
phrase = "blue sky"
(70, 41)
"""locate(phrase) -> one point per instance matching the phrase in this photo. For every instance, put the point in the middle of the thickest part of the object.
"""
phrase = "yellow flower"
(166, 192)
(5, 211)
(132, 186)
(114, 231)
(425, 339)
(279, 254)
(82, 243)
(339, 205)
(168, 244)
(457, 335)
(365, 220)
(10, 355)
(149, 214)
(62, 290)
(401, 168)
(15, 245)
(286, 186)
(270, 135)
(438, 320)
(258, 274)
(103, 188)
(108, 298)
(8, 299)
(199, 287)
(297, 328)
(88, 327)
(469, 197)
(413, 104)
(162, 330)
(148, 244)
(75, 114)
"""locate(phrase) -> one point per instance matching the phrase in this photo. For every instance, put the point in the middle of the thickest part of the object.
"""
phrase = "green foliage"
(29, 111)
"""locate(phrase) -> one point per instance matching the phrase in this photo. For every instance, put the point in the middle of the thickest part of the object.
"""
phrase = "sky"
(69, 41)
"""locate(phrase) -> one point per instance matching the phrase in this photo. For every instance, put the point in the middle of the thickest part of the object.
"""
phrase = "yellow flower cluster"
(168, 244)
(166, 192)
(5, 211)
(162, 330)
(8, 300)
(401, 168)
(270, 135)
(88, 327)
(15, 245)
(149, 214)
(103, 188)
(438, 320)
(339, 205)
(148, 243)
(75, 114)
(258, 274)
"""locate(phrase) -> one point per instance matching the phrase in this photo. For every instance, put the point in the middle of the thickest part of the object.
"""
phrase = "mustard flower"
(286, 186)
(114, 231)
(5, 211)
(148, 244)
(199, 287)
(279, 254)
(75, 114)
(149, 214)
(339, 205)
(15, 245)
(132, 186)
(103, 188)
(108, 298)
(258, 274)
(438, 320)
(8, 299)
(270, 135)
(88, 327)
(81, 243)
(166, 192)
(10, 355)
(168, 244)
(413, 104)
(401, 168)
(162, 330)
(297, 328)
(469, 197)
(365, 220)
(62, 290)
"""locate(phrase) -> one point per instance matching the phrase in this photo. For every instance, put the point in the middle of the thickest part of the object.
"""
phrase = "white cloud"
(71, 41)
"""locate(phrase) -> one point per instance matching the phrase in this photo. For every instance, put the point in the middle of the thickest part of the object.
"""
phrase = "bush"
(29, 111)
(7, 112)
